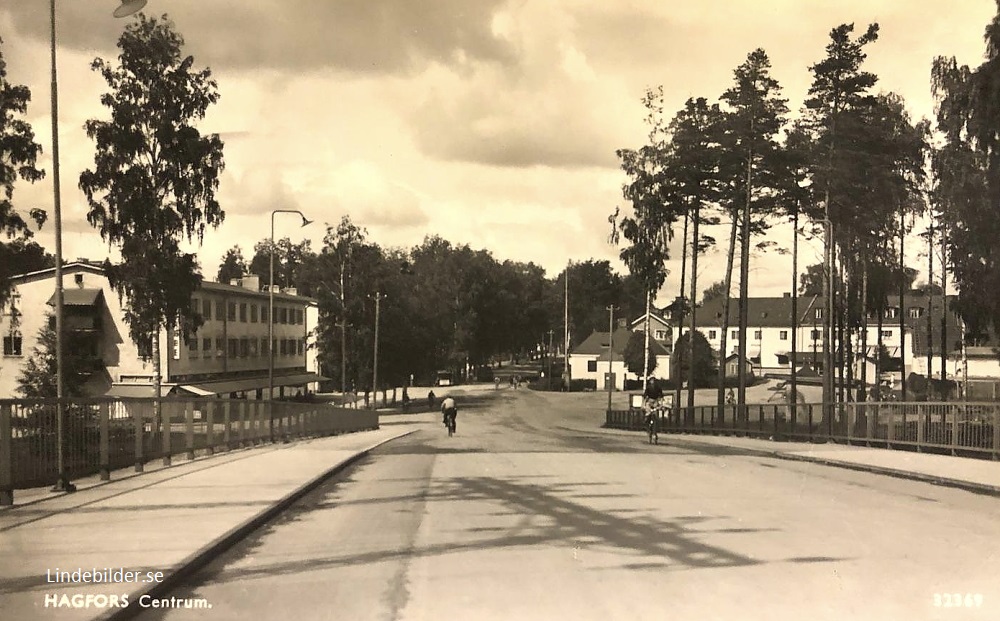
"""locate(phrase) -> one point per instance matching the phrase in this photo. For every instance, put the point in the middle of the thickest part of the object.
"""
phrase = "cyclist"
(651, 397)
(449, 410)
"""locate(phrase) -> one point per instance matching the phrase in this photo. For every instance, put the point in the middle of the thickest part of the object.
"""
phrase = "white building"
(228, 356)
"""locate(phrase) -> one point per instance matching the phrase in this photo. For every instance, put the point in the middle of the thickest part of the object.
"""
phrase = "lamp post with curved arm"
(126, 8)
(270, 317)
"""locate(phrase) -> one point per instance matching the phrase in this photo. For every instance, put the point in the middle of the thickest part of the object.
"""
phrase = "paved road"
(530, 512)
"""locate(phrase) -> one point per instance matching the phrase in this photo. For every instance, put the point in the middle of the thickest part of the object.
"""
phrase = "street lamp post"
(270, 317)
(378, 299)
(63, 484)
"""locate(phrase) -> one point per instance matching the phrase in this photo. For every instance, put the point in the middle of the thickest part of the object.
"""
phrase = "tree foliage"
(705, 363)
(155, 175)
(233, 265)
(966, 169)
(18, 155)
(633, 354)
(38, 375)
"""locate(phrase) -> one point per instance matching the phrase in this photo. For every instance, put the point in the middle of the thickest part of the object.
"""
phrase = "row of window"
(782, 334)
(248, 312)
(245, 347)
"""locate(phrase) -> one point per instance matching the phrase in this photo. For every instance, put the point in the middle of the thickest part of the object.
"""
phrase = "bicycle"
(449, 422)
(653, 421)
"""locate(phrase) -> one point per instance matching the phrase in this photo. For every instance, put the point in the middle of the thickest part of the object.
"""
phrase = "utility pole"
(566, 367)
(611, 351)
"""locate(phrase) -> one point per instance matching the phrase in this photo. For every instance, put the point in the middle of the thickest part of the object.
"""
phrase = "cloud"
(550, 108)
(388, 36)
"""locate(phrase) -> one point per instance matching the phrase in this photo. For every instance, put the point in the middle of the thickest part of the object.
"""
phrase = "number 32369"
(958, 600)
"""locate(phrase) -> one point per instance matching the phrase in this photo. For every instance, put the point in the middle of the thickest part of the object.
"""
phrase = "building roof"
(597, 345)
(653, 317)
(93, 268)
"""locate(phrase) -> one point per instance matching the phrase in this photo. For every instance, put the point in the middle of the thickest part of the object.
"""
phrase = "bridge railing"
(957, 428)
(105, 434)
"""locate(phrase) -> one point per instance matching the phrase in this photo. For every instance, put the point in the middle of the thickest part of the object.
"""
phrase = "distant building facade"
(227, 357)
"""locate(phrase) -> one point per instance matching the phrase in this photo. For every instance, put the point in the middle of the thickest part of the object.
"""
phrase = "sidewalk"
(168, 520)
(976, 475)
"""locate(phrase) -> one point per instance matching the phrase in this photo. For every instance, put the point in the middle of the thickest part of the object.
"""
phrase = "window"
(302, 346)
(231, 312)
(887, 334)
(263, 347)
(283, 315)
(253, 313)
(193, 345)
(283, 347)
(206, 309)
(592, 366)
(758, 334)
(234, 348)
(220, 347)
(818, 313)
(206, 347)
(916, 312)
(783, 335)
(814, 334)
(302, 316)
(712, 335)
(78, 279)
(735, 334)
(660, 335)
(219, 313)
(244, 347)
(263, 314)
(892, 312)
(243, 312)
(12, 345)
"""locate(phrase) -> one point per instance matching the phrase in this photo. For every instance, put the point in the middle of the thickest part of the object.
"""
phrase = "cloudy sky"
(492, 123)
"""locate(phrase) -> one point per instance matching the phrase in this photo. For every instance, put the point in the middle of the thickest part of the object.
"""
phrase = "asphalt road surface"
(533, 512)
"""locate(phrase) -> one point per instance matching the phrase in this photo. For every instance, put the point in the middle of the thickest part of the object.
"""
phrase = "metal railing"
(970, 429)
(103, 434)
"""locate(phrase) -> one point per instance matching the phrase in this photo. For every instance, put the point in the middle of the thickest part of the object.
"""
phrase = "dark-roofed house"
(227, 357)
(591, 360)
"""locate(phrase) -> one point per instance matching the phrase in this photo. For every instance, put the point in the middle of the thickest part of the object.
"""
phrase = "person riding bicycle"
(651, 397)
(448, 408)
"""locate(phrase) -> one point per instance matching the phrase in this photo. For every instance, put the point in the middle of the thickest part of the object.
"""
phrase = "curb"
(207, 553)
(969, 486)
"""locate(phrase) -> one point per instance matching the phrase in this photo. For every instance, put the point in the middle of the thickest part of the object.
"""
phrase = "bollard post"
(104, 429)
(210, 428)
(189, 429)
(165, 432)
(139, 424)
(6, 457)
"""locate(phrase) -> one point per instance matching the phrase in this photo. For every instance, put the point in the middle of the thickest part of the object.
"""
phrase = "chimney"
(291, 291)
(250, 282)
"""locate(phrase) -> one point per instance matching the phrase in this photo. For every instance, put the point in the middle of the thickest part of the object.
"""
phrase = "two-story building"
(227, 356)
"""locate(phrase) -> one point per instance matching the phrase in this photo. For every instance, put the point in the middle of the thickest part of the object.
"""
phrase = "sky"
(491, 123)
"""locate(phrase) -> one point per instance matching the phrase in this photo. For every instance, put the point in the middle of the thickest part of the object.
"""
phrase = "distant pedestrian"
(430, 399)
